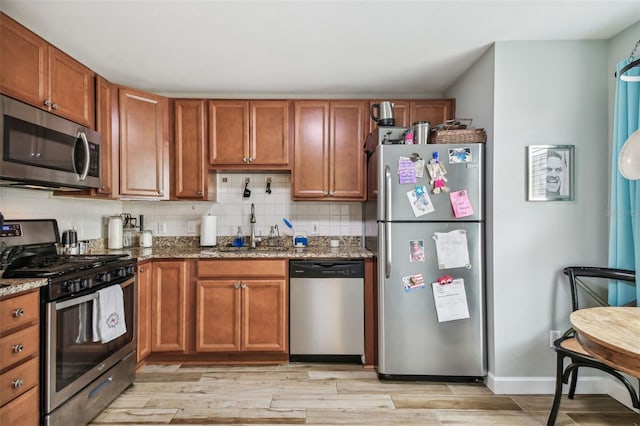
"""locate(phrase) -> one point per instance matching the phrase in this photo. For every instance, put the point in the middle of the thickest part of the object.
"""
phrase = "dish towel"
(108, 314)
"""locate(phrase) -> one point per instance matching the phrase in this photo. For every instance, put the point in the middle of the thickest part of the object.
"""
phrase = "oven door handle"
(76, 301)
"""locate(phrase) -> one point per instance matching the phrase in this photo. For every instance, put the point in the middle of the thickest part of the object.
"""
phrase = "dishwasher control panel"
(326, 269)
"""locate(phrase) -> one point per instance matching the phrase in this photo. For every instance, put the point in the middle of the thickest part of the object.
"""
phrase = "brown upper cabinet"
(189, 129)
(144, 145)
(407, 112)
(40, 74)
(106, 118)
(328, 156)
(249, 133)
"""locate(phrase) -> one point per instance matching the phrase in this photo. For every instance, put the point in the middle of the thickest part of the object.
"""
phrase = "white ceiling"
(303, 48)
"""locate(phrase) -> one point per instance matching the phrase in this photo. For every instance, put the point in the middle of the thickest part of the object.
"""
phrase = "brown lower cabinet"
(226, 310)
(241, 305)
(19, 366)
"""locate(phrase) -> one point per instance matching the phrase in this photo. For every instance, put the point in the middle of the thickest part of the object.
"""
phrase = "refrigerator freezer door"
(411, 340)
(464, 165)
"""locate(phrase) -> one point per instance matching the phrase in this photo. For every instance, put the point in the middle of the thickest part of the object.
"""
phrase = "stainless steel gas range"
(81, 370)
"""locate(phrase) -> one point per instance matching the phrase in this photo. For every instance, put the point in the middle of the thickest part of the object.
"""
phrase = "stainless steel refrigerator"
(412, 341)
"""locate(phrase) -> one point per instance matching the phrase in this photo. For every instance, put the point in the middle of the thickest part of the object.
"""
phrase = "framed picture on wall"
(550, 173)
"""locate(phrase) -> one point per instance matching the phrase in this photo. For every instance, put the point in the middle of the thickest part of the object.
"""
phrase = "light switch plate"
(315, 228)
(192, 227)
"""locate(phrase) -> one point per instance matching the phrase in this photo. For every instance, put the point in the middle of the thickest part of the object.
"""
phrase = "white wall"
(544, 93)
(89, 216)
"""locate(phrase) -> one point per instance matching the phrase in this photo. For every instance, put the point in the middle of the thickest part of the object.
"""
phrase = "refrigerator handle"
(387, 193)
(387, 248)
(387, 223)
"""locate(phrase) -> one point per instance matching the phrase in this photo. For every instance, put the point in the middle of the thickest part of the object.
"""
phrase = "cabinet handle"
(17, 348)
(236, 285)
(245, 159)
(54, 106)
(47, 103)
(17, 384)
(161, 192)
(325, 193)
(243, 285)
(200, 193)
(331, 193)
(252, 159)
(18, 313)
(141, 270)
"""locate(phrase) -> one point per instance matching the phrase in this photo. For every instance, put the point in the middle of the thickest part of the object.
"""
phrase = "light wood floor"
(331, 394)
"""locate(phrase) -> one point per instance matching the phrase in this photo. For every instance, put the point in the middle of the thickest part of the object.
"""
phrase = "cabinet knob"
(200, 192)
(54, 106)
(252, 159)
(17, 348)
(18, 313)
(325, 193)
(243, 285)
(17, 383)
(236, 285)
(245, 159)
(141, 270)
(331, 193)
(161, 192)
(47, 103)
(103, 187)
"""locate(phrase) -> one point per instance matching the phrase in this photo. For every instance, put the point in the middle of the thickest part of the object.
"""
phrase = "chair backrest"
(577, 281)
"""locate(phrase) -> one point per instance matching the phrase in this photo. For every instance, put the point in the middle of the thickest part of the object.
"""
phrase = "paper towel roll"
(208, 231)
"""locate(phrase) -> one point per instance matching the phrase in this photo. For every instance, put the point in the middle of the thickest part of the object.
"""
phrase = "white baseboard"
(547, 386)
(543, 385)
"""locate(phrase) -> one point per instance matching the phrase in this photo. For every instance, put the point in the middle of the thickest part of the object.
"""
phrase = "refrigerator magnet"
(436, 172)
(420, 202)
(416, 248)
(460, 155)
(412, 282)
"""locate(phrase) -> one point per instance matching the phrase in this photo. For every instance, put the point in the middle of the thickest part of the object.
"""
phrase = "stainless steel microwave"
(43, 151)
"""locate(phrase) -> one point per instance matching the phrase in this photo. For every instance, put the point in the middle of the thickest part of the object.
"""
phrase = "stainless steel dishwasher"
(326, 310)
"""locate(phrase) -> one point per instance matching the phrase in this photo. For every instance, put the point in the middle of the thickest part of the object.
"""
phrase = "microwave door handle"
(87, 156)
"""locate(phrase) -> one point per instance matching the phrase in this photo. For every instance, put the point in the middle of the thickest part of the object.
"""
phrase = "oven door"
(72, 359)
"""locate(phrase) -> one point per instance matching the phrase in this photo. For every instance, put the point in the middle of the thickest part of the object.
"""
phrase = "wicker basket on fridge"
(454, 132)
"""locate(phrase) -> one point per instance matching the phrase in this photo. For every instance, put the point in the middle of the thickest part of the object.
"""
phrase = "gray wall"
(543, 93)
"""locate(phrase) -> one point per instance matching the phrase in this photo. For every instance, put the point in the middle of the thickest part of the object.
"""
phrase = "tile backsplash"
(182, 218)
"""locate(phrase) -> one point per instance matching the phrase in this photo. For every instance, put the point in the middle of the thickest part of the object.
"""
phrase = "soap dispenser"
(238, 241)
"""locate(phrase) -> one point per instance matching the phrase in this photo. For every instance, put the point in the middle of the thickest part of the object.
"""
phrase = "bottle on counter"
(238, 241)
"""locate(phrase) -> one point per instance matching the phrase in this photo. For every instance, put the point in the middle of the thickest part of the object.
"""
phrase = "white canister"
(146, 238)
(115, 232)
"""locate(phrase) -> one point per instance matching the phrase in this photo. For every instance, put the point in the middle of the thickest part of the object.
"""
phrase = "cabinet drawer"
(18, 311)
(257, 268)
(23, 411)
(18, 346)
(18, 380)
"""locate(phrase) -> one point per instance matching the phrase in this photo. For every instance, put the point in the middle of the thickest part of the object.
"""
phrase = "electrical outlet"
(315, 228)
(162, 228)
(192, 226)
(553, 336)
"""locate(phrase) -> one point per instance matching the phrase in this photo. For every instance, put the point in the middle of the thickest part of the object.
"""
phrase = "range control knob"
(104, 277)
(121, 272)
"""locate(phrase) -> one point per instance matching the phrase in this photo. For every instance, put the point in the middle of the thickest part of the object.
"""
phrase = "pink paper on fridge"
(461, 204)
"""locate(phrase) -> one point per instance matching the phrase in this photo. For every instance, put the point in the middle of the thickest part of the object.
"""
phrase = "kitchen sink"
(249, 249)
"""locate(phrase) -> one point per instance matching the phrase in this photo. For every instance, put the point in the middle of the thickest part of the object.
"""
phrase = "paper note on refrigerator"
(461, 204)
(451, 249)
(451, 300)
(406, 170)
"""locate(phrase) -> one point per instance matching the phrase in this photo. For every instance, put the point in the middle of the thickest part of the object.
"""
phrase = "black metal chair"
(568, 346)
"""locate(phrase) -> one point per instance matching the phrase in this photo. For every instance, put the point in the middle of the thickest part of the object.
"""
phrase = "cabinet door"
(71, 88)
(189, 146)
(218, 311)
(346, 153)
(269, 140)
(104, 122)
(228, 133)
(24, 63)
(264, 315)
(310, 176)
(145, 290)
(23, 411)
(435, 111)
(143, 145)
(169, 309)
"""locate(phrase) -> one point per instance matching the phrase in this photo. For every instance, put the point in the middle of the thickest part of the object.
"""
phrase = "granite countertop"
(345, 252)
(11, 286)
(14, 286)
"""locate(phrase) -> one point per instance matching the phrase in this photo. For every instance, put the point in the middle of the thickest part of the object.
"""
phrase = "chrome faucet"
(252, 238)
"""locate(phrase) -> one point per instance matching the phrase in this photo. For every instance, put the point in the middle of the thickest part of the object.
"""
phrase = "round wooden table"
(611, 335)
